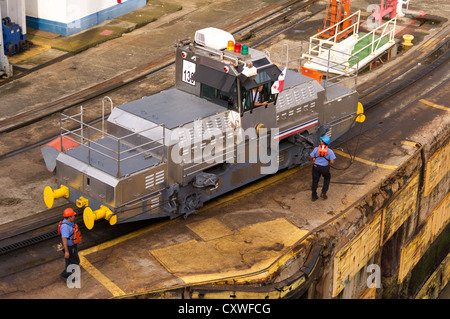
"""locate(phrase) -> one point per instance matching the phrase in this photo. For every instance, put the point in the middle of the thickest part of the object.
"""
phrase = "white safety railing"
(125, 144)
(334, 73)
(340, 57)
(346, 26)
(387, 29)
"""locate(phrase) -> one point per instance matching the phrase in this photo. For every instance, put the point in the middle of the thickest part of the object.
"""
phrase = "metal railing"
(387, 29)
(317, 43)
(334, 73)
(326, 53)
(126, 144)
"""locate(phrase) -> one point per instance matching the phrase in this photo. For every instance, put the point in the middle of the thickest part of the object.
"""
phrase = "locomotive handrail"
(79, 133)
(103, 110)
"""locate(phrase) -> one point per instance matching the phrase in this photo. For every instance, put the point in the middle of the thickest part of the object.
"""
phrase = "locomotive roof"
(172, 108)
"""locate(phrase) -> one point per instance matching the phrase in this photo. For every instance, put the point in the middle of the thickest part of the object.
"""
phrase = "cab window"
(225, 99)
(257, 96)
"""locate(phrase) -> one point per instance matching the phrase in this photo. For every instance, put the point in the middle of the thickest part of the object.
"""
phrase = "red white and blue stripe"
(297, 129)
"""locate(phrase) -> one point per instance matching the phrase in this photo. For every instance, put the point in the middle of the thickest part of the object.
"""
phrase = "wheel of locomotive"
(191, 203)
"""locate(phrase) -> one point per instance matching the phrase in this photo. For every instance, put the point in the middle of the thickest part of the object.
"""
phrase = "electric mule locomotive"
(222, 126)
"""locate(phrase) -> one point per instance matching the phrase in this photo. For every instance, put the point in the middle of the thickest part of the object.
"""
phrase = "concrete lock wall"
(67, 17)
(391, 241)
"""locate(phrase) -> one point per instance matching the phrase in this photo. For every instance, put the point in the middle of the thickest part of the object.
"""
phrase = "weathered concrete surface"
(107, 30)
(21, 194)
(415, 208)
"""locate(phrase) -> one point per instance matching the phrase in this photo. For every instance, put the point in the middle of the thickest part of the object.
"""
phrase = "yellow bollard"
(50, 195)
(90, 216)
(407, 41)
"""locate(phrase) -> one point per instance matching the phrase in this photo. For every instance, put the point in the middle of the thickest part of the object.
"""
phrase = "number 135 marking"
(188, 72)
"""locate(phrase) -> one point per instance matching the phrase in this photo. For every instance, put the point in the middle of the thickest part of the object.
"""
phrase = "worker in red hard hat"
(321, 157)
(71, 236)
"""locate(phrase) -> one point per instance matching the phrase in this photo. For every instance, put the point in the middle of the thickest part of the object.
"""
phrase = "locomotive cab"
(238, 80)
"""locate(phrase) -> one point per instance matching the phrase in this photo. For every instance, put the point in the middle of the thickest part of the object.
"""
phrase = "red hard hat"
(69, 212)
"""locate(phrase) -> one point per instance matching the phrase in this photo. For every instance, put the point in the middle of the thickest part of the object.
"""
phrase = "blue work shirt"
(322, 160)
(67, 231)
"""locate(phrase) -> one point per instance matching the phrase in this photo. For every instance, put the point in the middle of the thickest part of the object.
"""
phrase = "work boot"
(324, 195)
(314, 197)
(63, 278)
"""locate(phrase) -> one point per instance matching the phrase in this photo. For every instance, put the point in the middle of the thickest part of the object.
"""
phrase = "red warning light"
(237, 47)
(226, 69)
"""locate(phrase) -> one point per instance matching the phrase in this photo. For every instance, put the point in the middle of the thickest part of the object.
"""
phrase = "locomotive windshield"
(256, 91)
(250, 98)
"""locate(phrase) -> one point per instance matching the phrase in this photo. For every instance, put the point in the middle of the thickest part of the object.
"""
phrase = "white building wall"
(54, 10)
(66, 11)
(15, 10)
(70, 16)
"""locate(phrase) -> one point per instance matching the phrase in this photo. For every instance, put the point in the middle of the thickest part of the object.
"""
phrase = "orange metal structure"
(316, 75)
(337, 10)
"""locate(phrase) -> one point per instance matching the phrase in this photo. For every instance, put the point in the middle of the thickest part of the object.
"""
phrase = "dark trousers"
(73, 259)
(318, 171)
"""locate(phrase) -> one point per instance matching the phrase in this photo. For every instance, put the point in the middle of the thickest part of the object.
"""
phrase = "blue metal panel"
(13, 40)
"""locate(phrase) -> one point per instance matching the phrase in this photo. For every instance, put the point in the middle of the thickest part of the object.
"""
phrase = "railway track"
(23, 234)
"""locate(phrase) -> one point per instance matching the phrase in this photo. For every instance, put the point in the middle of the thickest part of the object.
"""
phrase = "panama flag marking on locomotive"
(277, 87)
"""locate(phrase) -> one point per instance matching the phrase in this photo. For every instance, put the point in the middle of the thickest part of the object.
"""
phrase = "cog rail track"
(27, 231)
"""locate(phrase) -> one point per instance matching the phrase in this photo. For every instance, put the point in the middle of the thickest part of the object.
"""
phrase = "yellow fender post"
(50, 195)
(360, 117)
(90, 216)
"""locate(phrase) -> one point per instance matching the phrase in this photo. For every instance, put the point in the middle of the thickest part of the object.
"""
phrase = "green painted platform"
(363, 42)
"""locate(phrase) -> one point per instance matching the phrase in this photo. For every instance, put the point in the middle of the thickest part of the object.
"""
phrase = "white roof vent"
(213, 38)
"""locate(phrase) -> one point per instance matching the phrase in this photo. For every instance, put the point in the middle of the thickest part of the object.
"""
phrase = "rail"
(126, 144)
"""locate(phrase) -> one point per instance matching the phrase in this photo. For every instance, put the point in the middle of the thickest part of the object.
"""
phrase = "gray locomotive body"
(219, 128)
